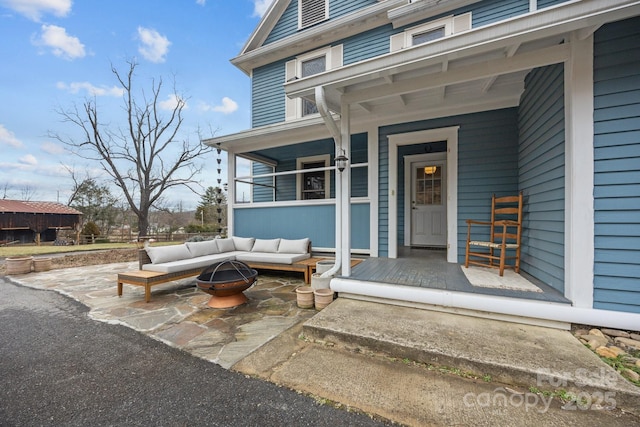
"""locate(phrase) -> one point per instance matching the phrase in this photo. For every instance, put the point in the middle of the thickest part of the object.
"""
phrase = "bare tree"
(139, 156)
(5, 190)
(27, 193)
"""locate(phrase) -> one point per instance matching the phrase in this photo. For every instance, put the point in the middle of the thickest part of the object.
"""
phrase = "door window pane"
(428, 185)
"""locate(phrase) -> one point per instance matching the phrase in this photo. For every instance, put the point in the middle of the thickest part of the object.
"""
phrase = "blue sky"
(58, 53)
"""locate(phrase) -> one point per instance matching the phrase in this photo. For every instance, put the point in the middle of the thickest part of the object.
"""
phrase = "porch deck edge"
(521, 311)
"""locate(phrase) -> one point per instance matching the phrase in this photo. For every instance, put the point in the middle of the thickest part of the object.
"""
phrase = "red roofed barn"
(27, 222)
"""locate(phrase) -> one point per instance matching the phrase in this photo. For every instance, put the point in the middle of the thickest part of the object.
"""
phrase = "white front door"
(428, 204)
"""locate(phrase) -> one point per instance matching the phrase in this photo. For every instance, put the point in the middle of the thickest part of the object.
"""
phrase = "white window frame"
(446, 23)
(301, 161)
(293, 70)
(451, 24)
(326, 14)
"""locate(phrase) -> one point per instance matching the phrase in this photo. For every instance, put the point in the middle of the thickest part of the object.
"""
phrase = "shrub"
(90, 228)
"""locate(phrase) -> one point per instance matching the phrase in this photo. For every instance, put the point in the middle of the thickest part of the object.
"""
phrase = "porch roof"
(486, 62)
(477, 70)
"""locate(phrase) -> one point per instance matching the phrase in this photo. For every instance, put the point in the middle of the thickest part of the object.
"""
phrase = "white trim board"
(449, 134)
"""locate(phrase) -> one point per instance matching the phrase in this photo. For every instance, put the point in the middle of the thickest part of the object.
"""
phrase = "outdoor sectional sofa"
(163, 264)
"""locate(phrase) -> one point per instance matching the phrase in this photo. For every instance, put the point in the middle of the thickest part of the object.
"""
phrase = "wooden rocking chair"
(505, 231)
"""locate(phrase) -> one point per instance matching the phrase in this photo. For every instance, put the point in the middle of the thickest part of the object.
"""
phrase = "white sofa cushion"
(201, 262)
(226, 245)
(160, 254)
(263, 245)
(208, 247)
(243, 243)
(270, 257)
(298, 246)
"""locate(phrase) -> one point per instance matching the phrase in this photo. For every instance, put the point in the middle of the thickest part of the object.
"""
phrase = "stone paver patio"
(178, 314)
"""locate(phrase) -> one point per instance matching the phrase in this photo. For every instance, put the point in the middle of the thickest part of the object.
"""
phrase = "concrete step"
(509, 353)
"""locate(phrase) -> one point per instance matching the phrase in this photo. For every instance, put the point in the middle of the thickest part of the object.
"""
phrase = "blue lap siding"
(617, 166)
(487, 164)
(542, 174)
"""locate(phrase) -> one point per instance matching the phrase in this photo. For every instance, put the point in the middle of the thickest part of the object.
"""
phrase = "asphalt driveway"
(58, 367)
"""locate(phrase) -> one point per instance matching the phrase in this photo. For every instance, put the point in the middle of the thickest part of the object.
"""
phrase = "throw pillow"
(298, 246)
(264, 245)
(208, 247)
(226, 245)
(160, 254)
(243, 243)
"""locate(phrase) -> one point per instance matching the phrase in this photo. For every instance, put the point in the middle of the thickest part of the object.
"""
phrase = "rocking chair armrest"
(473, 221)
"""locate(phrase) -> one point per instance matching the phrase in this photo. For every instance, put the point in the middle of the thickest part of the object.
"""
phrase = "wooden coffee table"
(149, 279)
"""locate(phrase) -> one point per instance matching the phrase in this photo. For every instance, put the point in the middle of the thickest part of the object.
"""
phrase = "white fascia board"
(275, 135)
(420, 10)
(544, 23)
(267, 23)
(317, 36)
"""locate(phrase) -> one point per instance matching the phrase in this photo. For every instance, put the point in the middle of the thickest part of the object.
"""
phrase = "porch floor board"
(428, 268)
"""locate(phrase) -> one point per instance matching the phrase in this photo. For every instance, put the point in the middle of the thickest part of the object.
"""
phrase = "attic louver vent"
(312, 12)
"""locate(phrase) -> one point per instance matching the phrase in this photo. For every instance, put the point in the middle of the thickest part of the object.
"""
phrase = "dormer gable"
(290, 27)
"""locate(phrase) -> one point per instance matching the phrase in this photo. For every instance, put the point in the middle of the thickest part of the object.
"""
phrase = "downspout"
(323, 109)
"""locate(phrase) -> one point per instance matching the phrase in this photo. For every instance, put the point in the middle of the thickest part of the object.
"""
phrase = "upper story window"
(431, 31)
(427, 36)
(307, 65)
(308, 68)
(311, 12)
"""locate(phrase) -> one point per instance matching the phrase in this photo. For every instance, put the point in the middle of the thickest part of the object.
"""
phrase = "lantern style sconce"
(341, 161)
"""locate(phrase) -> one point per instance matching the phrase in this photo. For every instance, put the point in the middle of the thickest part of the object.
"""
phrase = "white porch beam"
(508, 53)
(365, 106)
(481, 70)
(443, 89)
(584, 33)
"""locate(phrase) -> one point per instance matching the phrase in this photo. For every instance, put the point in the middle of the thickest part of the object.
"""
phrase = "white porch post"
(345, 182)
(372, 136)
(231, 190)
(579, 209)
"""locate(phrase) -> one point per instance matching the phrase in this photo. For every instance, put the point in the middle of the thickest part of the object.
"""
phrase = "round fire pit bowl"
(225, 281)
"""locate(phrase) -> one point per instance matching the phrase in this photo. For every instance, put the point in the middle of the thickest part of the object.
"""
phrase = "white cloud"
(172, 102)
(8, 138)
(228, 106)
(260, 7)
(28, 159)
(77, 87)
(201, 2)
(154, 46)
(52, 148)
(34, 9)
(60, 43)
